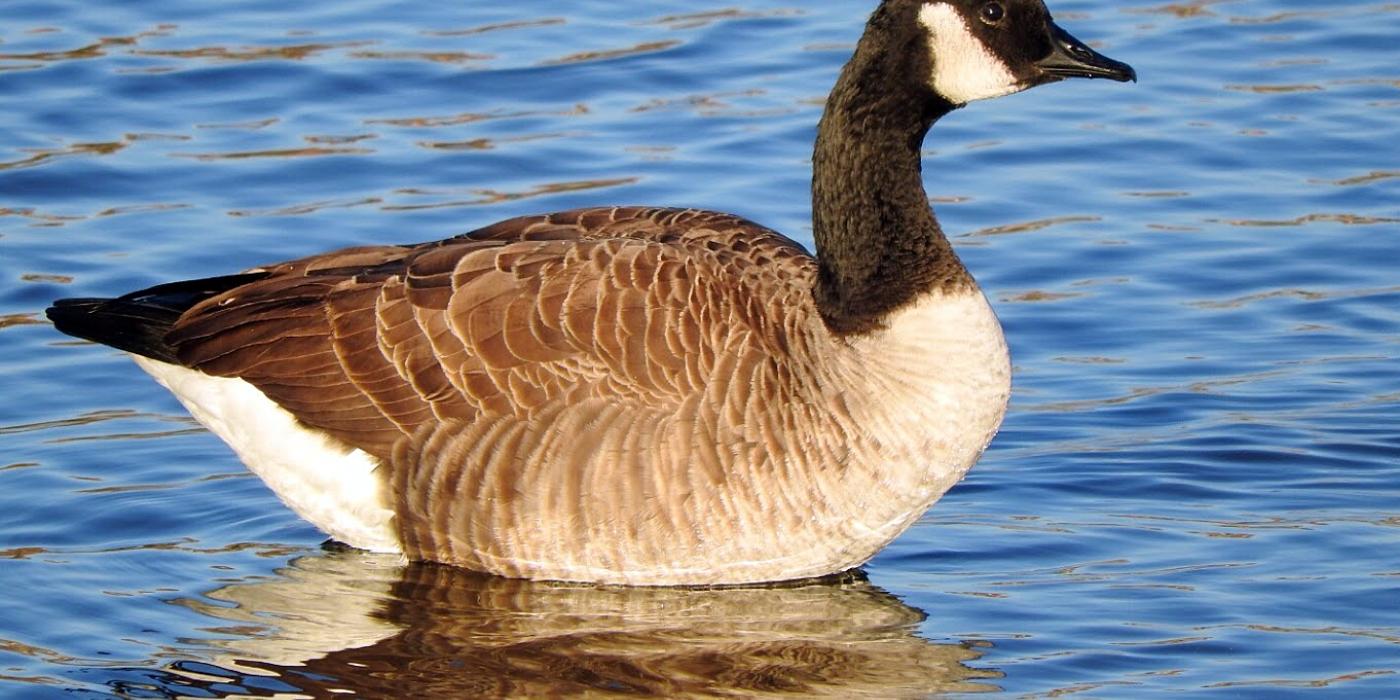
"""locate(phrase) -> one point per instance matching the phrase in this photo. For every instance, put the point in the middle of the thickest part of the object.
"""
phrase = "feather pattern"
(625, 394)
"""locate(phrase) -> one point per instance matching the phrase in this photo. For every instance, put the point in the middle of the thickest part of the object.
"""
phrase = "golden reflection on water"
(306, 152)
(488, 144)
(42, 156)
(305, 208)
(696, 20)
(1345, 219)
(450, 57)
(249, 53)
(1304, 295)
(713, 104)
(40, 219)
(351, 622)
(499, 26)
(1369, 178)
(1037, 295)
(609, 54)
(490, 196)
(1196, 8)
(474, 117)
(1029, 226)
(82, 53)
(1275, 89)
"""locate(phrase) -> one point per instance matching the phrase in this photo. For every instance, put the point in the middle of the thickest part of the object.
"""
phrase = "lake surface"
(1197, 490)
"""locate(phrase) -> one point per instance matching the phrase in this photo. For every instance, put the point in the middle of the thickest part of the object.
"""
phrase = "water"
(1197, 490)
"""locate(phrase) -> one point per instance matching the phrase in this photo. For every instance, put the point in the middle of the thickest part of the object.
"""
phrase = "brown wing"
(634, 306)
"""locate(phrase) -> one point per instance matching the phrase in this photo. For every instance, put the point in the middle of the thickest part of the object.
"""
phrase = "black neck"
(879, 246)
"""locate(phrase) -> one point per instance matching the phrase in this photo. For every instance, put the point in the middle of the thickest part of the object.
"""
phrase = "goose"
(633, 395)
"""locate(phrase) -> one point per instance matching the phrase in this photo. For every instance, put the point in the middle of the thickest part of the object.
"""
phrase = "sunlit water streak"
(1196, 489)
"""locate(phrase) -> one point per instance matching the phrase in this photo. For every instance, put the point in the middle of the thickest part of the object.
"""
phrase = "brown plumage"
(508, 374)
(633, 395)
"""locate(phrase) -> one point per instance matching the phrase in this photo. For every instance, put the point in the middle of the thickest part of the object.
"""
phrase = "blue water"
(1197, 490)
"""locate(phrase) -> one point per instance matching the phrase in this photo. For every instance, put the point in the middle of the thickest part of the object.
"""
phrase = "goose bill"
(1071, 58)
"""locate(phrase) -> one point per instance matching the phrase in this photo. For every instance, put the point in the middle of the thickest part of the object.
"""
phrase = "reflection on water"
(350, 622)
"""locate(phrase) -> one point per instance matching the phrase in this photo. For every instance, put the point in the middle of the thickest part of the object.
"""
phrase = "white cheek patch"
(963, 68)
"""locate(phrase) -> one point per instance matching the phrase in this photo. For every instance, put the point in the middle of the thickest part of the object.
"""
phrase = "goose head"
(979, 49)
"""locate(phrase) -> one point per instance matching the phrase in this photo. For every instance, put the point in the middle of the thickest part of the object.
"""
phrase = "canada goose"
(633, 395)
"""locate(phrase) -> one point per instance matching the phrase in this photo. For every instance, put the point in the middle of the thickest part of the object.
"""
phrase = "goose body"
(628, 394)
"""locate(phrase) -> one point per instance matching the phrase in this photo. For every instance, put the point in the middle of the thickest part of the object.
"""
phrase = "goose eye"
(992, 13)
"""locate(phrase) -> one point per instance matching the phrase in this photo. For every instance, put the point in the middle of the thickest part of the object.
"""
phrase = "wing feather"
(645, 310)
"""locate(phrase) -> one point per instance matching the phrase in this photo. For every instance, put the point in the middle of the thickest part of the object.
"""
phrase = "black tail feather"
(139, 322)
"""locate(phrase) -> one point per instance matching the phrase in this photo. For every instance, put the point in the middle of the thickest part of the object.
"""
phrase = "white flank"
(963, 69)
(331, 487)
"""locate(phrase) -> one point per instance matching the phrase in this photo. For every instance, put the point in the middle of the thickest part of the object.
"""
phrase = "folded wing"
(633, 306)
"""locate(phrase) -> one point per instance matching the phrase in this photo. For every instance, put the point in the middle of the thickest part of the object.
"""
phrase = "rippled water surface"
(1197, 489)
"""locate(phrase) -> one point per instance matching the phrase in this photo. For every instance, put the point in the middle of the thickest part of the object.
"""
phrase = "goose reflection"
(350, 622)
